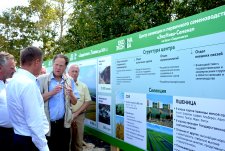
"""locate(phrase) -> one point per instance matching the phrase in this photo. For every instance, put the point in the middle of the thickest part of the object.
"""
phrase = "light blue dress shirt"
(57, 101)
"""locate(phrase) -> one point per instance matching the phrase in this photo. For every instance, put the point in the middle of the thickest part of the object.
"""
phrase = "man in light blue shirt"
(25, 104)
(59, 93)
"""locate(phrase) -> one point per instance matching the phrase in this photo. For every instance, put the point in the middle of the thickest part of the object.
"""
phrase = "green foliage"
(187, 8)
(22, 26)
(17, 30)
(98, 21)
(120, 109)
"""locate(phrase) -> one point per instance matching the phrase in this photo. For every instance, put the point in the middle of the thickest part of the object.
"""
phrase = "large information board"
(159, 89)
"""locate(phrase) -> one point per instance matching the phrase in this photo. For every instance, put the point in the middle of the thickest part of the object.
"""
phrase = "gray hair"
(4, 57)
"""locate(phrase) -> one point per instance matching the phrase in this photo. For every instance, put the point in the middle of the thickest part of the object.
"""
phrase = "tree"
(17, 30)
(23, 26)
(96, 21)
(63, 9)
(45, 18)
(101, 20)
(187, 8)
(51, 22)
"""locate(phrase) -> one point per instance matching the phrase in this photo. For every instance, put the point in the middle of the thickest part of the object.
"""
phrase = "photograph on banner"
(159, 122)
(104, 113)
(119, 115)
(104, 74)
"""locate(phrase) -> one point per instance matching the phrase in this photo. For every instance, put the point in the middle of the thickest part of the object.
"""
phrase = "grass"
(159, 141)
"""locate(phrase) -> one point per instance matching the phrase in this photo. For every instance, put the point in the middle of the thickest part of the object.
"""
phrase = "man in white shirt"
(26, 105)
(7, 68)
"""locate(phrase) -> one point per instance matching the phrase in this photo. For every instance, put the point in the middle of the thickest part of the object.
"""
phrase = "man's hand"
(57, 89)
(75, 114)
(69, 91)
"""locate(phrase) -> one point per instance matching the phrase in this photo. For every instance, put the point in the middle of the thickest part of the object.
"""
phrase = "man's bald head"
(74, 71)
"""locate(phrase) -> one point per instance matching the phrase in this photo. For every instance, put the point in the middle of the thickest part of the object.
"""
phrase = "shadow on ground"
(92, 143)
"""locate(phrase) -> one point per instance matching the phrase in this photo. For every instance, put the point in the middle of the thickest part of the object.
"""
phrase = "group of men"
(41, 110)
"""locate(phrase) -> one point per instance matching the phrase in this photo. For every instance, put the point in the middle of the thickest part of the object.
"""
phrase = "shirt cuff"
(45, 148)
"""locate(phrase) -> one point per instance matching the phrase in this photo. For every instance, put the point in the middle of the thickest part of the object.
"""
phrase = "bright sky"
(4, 4)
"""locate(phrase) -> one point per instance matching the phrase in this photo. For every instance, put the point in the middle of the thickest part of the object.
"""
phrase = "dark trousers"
(60, 137)
(23, 143)
(6, 139)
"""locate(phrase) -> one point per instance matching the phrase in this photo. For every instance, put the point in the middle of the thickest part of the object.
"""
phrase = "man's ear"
(1, 68)
(37, 61)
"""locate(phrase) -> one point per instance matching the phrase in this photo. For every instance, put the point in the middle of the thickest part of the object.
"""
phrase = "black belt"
(22, 137)
(57, 121)
(6, 129)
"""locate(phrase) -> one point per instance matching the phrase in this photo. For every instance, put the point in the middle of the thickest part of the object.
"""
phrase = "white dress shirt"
(4, 116)
(26, 108)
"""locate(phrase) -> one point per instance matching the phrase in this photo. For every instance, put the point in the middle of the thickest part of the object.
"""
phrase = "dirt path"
(91, 143)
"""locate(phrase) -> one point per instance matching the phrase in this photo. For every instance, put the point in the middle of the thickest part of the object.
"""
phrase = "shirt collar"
(52, 76)
(77, 82)
(26, 73)
(1, 83)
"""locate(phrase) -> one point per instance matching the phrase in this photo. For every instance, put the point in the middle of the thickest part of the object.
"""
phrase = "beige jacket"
(44, 81)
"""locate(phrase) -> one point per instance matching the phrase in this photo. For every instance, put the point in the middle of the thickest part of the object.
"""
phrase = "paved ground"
(91, 143)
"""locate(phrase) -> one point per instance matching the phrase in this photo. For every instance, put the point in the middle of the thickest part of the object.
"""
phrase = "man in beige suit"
(78, 110)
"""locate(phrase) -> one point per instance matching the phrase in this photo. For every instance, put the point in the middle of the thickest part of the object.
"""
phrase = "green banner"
(158, 89)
